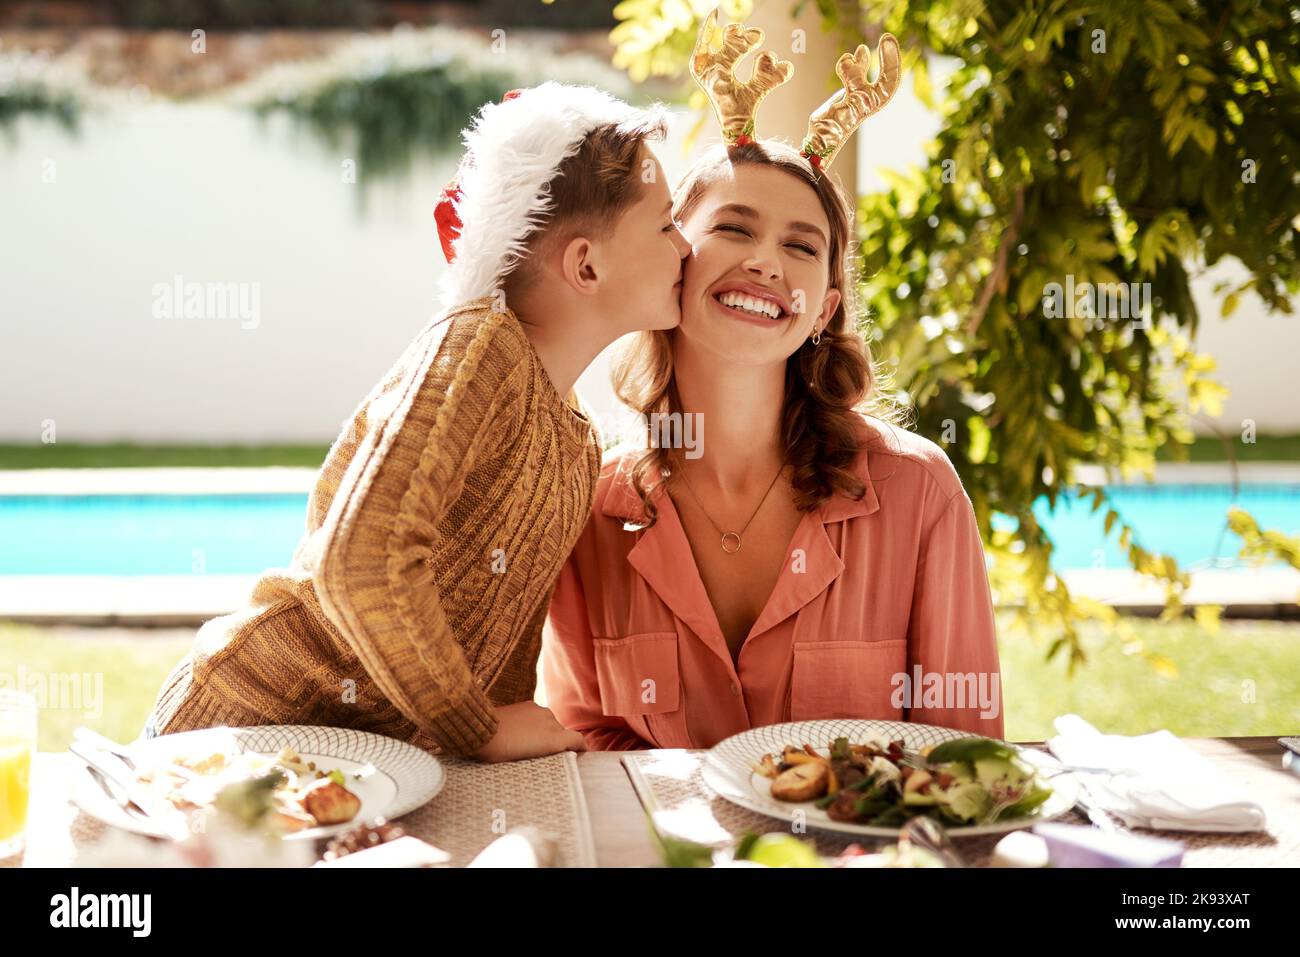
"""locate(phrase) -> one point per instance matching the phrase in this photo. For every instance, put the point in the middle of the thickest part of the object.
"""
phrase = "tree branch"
(997, 279)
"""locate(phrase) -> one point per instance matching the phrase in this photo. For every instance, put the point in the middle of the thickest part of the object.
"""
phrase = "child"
(414, 604)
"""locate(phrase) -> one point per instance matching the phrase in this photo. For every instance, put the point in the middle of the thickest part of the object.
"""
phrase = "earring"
(817, 334)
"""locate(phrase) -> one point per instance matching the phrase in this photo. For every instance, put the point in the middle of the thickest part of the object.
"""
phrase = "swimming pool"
(225, 534)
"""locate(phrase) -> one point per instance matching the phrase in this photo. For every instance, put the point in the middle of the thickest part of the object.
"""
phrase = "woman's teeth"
(751, 304)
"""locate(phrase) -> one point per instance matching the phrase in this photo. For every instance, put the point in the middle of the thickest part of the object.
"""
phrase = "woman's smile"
(751, 303)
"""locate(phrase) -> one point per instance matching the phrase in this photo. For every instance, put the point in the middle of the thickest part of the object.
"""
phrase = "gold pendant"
(730, 551)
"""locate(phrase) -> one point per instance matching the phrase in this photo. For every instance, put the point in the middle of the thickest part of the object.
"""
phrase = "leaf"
(1205, 137)
(1092, 170)
(1157, 242)
(921, 81)
(1163, 666)
(970, 749)
(980, 437)
(1029, 295)
(1210, 617)
(680, 853)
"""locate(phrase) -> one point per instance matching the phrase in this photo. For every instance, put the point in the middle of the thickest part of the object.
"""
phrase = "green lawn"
(126, 667)
(1265, 448)
(1243, 681)
(1268, 448)
(64, 455)
(1117, 692)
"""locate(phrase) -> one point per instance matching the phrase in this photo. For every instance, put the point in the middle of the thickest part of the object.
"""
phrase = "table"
(622, 837)
(670, 782)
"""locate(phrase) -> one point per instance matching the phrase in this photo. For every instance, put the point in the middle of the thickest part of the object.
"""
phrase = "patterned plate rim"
(417, 775)
(727, 771)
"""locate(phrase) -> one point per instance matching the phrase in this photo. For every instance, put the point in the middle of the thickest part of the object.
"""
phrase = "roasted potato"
(803, 782)
(330, 803)
(792, 756)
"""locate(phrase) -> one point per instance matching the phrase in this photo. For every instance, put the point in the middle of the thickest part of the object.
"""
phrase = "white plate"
(403, 777)
(729, 771)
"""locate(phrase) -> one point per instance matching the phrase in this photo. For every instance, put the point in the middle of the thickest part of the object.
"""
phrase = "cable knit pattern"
(415, 601)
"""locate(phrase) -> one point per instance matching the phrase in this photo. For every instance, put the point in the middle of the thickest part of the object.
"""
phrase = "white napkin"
(1172, 786)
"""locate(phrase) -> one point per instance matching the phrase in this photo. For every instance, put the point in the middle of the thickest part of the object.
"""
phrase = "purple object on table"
(1072, 845)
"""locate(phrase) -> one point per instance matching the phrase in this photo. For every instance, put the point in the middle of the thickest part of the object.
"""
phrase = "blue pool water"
(1185, 521)
(244, 534)
(148, 534)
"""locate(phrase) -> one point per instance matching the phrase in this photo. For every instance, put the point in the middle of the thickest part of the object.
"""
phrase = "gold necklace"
(732, 538)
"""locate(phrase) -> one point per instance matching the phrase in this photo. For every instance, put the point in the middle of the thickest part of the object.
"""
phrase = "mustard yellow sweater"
(435, 532)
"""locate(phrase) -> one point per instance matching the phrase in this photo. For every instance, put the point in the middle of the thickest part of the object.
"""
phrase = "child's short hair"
(591, 190)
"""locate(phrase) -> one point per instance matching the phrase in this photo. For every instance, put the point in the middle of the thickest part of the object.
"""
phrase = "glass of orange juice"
(17, 749)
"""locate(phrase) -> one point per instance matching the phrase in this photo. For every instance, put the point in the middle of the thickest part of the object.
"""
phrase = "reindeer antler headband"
(829, 126)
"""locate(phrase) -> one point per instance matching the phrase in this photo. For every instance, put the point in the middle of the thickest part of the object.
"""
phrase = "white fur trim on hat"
(513, 150)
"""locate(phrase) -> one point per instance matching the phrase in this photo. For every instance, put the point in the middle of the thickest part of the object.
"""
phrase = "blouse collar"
(662, 556)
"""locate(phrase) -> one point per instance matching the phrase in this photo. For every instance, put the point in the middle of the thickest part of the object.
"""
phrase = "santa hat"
(500, 197)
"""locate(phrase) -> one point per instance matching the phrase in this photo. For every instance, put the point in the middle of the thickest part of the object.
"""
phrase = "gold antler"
(832, 123)
(735, 102)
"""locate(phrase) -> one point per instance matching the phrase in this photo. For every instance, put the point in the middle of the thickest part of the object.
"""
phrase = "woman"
(814, 561)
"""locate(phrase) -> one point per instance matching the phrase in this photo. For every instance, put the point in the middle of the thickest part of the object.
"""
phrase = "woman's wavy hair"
(827, 385)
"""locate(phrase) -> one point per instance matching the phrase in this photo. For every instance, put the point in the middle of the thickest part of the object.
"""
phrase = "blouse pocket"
(637, 674)
(846, 679)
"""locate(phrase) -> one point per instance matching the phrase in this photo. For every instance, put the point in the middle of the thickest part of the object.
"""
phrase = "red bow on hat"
(444, 214)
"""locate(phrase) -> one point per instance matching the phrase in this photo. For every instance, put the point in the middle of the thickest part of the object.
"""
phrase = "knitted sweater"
(415, 601)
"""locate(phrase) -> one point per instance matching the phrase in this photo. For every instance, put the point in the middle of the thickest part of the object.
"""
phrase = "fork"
(166, 819)
(118, 797)
(928, 833)
(123, 752)
(1095, 812)
(97, 740)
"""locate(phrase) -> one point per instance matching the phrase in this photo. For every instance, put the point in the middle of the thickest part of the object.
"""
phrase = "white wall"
(1256, 354)
(209, 194)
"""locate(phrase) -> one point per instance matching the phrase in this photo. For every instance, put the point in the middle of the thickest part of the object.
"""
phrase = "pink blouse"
(882, 611)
